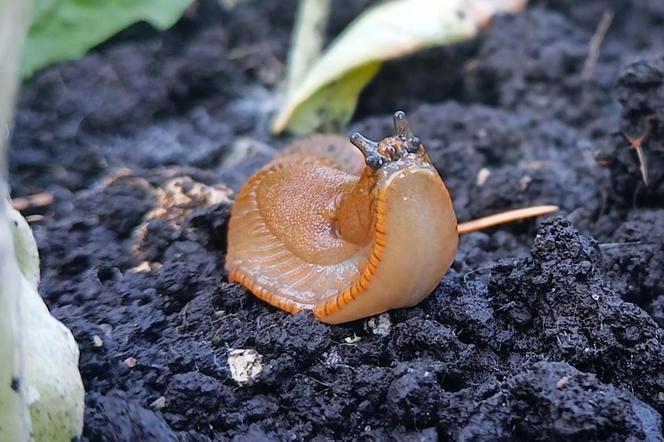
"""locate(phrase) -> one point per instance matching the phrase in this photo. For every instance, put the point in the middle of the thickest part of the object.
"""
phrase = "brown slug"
(348, 232)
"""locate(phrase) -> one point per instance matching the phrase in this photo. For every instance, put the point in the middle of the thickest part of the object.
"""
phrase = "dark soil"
(538, 332)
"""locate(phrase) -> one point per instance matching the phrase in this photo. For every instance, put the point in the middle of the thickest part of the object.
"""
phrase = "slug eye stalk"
(365, 145)
(401, 127)
(369, 149)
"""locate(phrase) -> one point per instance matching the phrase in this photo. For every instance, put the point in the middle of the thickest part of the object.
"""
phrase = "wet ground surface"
(549, 331)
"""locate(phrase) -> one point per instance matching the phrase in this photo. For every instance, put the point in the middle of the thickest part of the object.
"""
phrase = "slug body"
(346, 231)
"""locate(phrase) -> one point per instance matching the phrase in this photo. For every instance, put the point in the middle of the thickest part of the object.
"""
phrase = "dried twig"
(595, 43)
(40, 199)
(637, 144)
(505, 217)
(610, 245)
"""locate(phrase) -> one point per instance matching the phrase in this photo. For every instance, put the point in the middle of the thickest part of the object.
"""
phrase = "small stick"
(40, 199)
(505, 217)
(34, 218)
(595, 43)
(637, 144)
(609, 245)
(643, 165)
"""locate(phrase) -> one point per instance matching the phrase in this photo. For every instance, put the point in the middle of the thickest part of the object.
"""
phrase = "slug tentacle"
(365, 145)
(369, 149)
(401, 127)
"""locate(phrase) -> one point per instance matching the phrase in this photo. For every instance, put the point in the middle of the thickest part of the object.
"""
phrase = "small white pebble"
(97, 341)
(158, 403)
(482, 176)
(143, 267)
(146, 267)
(562, 382)
(524, 182)
(380, 325)
(352, 340)
(245, 364)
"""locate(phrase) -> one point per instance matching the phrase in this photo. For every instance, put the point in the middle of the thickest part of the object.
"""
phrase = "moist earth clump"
(540, 330)
(640, 89)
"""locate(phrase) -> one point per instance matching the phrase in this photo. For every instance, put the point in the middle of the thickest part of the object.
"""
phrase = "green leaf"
(15, 423)
(67, 29)
(41, 391)
(308, 37)
(327, 96)
(332, 105)
(50, 379)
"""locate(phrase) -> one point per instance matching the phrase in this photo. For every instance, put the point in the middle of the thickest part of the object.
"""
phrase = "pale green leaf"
(308, 36)
(50, 380)
(327, 95)
(67, 29)
(15, 424)
(332, 105)
(41, 391)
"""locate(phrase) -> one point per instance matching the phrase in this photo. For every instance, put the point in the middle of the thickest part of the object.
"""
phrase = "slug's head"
(402, 146)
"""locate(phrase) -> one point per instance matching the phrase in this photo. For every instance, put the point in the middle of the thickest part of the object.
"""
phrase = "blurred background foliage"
(322, 85)
(66, 29)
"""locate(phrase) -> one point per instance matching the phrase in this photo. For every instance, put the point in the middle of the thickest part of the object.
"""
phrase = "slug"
(345, 231)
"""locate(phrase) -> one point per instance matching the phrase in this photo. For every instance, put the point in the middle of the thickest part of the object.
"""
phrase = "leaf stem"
(307, 40)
